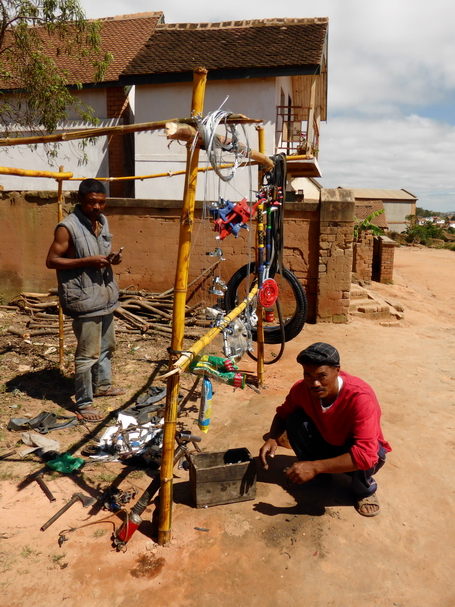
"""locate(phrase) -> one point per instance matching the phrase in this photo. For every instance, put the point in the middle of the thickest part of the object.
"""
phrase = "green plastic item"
(65, 463)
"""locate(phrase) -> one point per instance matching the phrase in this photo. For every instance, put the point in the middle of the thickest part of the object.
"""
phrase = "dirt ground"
(303, 547)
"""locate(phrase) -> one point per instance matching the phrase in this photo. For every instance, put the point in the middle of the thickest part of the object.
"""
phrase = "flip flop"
(91, 411)
(112, 391)
(370, 500)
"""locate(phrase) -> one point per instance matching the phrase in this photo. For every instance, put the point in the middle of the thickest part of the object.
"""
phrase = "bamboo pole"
(187, 133)
(181, 363)
(60, 311)
(260, 243)
(178, 325)
(30, 173)
(112, 130)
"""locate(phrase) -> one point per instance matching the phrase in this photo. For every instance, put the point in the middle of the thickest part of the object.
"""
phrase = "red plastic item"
(268, 293)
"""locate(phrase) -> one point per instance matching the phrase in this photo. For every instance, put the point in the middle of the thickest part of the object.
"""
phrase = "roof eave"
(221, 74)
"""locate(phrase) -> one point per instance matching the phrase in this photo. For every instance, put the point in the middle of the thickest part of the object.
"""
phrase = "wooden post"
(178, 326)
(259, 242)
(60, 311)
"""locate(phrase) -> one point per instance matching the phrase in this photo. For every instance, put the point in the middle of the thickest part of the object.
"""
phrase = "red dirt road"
(309, 547)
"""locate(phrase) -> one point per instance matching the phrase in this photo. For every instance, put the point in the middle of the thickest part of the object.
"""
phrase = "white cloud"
(388, 61)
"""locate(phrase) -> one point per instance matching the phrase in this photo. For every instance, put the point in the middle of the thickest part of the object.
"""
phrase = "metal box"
(222, 478)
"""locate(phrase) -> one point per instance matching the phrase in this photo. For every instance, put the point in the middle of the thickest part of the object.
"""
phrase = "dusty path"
(281, 549)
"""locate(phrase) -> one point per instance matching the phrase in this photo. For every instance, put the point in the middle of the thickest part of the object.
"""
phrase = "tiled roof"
(123, 36)
(365, 208)
(267, 43)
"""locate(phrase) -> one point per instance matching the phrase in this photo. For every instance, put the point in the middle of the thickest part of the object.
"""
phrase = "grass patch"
(100, 532)
(9, 475)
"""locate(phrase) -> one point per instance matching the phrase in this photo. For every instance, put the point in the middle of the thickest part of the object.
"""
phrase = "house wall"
(317, 247)
(149, 233)
(396, 212)
(154, 153)
(68, 153)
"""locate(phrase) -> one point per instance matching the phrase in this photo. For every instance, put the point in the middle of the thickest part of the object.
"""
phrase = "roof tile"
(181, 47)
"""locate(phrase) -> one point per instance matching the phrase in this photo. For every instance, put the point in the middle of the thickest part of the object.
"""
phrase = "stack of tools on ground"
(138, 434)
(139, 312)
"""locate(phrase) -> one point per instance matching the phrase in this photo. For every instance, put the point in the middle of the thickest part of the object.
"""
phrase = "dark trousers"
(308, 445)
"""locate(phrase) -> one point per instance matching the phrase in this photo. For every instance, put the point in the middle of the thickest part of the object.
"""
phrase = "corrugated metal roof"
(381, 194)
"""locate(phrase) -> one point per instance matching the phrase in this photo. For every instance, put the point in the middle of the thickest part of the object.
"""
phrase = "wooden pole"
(60, 311)
(178, 325)
(112, 130)
(260, 243)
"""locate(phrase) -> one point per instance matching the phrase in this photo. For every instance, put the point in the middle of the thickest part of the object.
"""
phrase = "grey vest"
(87, 291)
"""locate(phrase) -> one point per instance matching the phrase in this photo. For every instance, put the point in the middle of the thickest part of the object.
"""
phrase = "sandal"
(112, 391)
(370, 500)
(89, 414)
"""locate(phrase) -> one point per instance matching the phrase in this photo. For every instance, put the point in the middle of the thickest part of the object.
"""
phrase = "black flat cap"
(319, 354)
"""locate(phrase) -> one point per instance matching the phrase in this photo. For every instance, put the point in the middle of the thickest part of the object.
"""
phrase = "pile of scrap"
(139, 312)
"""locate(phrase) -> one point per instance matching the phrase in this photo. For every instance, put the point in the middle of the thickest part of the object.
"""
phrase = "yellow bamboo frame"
(60, 311)
(178, 325)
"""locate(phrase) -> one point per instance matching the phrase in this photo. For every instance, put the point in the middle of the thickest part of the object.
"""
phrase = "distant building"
(397, 204)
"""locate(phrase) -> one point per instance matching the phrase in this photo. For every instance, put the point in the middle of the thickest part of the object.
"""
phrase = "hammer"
(84, 499)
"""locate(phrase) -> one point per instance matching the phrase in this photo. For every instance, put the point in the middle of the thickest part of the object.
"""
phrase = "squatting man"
(332, 421)
(88, 292)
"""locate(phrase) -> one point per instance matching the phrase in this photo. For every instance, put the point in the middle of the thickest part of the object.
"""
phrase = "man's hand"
(301, 472)
(97, 261)
(268, 448)
(115, 258)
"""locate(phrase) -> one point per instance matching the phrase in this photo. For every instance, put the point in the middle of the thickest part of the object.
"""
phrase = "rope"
(215, 148)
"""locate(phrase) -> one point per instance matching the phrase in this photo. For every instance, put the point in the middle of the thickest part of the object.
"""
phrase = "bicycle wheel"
(291, 297)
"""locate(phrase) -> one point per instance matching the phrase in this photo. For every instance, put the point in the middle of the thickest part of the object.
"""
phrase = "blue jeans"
(95, 346)
(308, 445)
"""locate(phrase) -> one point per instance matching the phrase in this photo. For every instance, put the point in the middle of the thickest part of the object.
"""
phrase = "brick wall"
(117, 107)
(149, 232)
(387, 253)
(318, 238)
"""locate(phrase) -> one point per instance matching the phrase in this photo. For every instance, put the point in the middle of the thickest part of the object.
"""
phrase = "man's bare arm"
(269, 447)
(301, 472)
(60, 254)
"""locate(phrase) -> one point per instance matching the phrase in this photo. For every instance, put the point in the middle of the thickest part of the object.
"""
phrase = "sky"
(391, 86)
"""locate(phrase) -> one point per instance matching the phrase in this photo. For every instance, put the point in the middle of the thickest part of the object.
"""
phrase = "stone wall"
(335, 255)
(363, 255)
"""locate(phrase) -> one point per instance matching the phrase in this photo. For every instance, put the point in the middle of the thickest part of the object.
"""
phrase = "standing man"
(88, 292)
(332, 421)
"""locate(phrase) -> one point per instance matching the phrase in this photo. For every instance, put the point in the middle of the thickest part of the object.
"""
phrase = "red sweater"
(353, 418)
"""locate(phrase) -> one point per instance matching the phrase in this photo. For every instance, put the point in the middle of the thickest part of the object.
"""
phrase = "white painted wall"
(68, 154)
(256, 98)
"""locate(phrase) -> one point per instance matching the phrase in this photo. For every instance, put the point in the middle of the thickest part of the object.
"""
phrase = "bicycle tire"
(292, 326)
